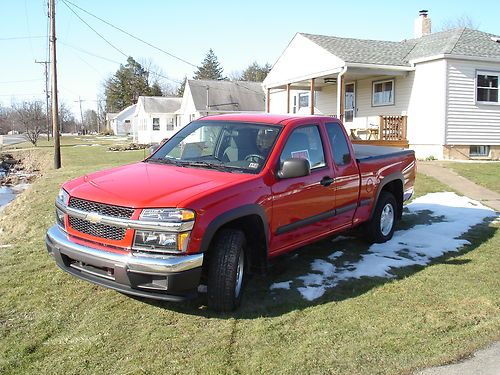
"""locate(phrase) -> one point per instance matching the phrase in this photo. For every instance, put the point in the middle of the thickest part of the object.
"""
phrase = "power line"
(20, 81)
(129, 34)
(117, 62)
(94, 30)
(23, 37)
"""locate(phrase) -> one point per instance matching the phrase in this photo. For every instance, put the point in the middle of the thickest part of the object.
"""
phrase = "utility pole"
(80, 100)
(53, 76)
(46, 63)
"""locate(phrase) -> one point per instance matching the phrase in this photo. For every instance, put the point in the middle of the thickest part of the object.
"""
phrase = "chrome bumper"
(166, 278)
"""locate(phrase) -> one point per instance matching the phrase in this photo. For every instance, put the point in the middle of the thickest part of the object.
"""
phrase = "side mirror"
(295, 167)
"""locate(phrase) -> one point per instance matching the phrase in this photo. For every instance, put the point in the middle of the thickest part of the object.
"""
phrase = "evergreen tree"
(182, 87)
(255, 72)
(128, 83)
(210, 68)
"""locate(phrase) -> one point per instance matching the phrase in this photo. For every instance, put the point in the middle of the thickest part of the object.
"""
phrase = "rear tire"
(381, 227)
(226, 270)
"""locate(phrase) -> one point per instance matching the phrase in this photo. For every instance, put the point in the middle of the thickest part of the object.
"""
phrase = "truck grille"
(101, 208)
(97, 230)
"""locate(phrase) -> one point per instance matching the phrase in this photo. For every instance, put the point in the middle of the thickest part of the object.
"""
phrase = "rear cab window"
(305, 143)
(338, 143)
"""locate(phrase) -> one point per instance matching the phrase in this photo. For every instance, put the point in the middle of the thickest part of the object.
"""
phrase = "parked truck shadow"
(260, 300)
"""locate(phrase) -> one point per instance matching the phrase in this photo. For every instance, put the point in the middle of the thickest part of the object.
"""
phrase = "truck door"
(347, 179)
(303, 206)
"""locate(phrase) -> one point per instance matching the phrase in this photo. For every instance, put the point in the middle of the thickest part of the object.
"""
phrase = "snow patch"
(453, 216)
(282, 285)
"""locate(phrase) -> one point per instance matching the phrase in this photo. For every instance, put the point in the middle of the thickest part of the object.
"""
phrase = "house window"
(170, 125)
(156, 123)
(487, 87)
(479, 150)
(383, 93)
(303, 100)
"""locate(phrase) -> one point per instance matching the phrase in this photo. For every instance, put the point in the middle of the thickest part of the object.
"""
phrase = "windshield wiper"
(164, 161)
(206, 164)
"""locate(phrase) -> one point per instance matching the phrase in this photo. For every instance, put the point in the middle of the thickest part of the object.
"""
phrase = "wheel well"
(396, 189)
(253, 228)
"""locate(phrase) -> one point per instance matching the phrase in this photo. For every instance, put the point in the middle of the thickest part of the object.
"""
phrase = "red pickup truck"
(219, 199)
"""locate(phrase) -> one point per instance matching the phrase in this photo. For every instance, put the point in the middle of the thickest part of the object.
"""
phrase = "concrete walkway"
(461, 184)
(485, 361)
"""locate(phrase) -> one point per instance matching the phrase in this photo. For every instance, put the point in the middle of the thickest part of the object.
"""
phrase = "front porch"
(371, 101)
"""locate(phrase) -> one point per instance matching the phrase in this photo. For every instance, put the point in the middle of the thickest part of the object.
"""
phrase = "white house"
(205, 97)
(121, 123)
(154, 118)
(439, 89)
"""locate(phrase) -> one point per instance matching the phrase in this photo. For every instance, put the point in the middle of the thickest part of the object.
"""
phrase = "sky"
(238, 32)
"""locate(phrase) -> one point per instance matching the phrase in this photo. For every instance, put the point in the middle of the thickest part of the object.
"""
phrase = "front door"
(349, 103)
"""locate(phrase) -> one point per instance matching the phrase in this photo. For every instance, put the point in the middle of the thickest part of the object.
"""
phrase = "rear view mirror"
(294, 167)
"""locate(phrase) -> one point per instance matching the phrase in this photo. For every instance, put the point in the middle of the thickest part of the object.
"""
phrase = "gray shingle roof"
(227, 95)
(160, 104)
(462, 41)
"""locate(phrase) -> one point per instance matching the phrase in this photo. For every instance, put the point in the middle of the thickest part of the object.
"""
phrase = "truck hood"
(148, 185)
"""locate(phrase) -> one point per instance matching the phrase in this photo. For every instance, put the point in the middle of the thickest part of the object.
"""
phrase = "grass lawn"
(52, 323)
(484, 174)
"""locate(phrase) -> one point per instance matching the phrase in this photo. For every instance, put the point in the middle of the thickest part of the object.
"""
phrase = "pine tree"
(182, 87)
(210, 68)
(255, 72)
(128, 83)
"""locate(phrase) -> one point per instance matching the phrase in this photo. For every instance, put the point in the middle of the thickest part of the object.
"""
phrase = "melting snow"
(453, 216)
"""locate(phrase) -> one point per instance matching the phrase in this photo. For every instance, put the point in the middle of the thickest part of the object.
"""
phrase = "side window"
(338, 143)
(305, 143)
(156, 123)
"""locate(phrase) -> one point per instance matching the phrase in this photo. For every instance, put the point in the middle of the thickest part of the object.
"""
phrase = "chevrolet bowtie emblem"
(93, 217)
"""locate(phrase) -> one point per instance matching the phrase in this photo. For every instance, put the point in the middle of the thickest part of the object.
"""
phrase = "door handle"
(326, 181)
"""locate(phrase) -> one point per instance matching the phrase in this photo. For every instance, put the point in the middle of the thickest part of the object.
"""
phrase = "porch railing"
(392, 128)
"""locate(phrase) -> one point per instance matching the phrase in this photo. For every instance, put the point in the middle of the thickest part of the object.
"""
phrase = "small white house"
(121, 123)
(154, 118)
(206, 97)
(438, 90)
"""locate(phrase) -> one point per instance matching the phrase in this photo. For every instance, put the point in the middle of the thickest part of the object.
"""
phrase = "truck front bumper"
(170, 278)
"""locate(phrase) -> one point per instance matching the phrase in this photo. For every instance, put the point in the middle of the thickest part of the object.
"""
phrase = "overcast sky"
(239, 32)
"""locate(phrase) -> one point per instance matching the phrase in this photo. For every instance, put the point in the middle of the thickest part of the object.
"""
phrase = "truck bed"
(370, 152)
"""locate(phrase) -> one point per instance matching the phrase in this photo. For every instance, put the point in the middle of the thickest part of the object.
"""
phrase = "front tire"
(381, 227)
(226, 270)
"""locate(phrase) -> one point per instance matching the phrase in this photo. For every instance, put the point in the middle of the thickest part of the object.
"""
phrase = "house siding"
(427, 109)
(470, 123)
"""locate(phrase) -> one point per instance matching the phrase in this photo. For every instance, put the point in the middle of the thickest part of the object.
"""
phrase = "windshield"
(228, 146)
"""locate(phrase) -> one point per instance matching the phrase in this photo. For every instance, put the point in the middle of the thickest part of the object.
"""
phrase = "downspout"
(339, 90)
(208, 99)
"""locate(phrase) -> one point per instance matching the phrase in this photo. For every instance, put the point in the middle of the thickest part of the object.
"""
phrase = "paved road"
(13, 139)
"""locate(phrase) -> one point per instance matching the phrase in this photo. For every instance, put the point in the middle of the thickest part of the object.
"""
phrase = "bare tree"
(459, 22)
(31, 117)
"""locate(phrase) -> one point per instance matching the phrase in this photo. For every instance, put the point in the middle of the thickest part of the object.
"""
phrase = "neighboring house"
(204, 97)
(154, 118)
(121, 123)
(440, 88)
(109, 119)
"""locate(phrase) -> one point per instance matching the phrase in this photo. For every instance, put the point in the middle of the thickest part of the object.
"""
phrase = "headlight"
(173, 215)
(60, 218)
(63, 197)
(156, 242)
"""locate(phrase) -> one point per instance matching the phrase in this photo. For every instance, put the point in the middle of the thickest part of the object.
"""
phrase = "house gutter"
(339, 90)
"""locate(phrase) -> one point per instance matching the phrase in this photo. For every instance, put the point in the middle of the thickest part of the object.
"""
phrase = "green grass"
(52, 323)
(484, 174)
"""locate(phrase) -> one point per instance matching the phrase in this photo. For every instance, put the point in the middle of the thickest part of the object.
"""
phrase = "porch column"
(311, 96)
(268, 100)
(288, 98)
(340, 95)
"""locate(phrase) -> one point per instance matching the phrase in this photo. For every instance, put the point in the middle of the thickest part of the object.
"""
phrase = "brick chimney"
(422, 24)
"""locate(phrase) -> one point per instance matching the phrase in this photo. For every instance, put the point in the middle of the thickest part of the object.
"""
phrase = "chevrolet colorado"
(220, 198)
